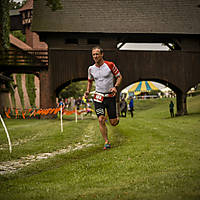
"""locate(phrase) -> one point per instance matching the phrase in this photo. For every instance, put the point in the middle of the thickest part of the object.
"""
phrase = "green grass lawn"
(153, 156)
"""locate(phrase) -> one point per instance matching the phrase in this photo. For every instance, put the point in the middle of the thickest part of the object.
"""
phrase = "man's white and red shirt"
(103, 76)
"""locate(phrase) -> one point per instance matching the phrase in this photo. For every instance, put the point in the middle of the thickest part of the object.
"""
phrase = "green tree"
(75, 89)
(4, 25)
(18, 34)
(5, 19)
(54, 4)
(16, 5)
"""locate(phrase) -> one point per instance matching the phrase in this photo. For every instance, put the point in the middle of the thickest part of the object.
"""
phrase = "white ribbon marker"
(61, 119)
(9, 142)
(76, 114)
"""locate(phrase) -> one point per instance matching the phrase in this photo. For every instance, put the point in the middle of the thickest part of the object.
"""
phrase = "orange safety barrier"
(33, 112)
(7, 114)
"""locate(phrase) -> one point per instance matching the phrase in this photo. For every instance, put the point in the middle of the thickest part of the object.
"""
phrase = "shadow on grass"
(192, 114)
(85, 118)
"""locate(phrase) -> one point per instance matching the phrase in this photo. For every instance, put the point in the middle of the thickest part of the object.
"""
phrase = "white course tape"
(9, 142)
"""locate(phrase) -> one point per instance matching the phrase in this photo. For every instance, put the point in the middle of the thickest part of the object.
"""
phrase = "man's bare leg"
(114, 121)
(103, 128)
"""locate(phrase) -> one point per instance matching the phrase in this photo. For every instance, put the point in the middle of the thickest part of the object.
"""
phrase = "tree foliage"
(18, 34)
(75, 89)
(16, 5)
(5, 5)
(4, 25)
(54, 4)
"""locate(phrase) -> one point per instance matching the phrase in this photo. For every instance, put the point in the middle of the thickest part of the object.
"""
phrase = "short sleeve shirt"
(103, 76)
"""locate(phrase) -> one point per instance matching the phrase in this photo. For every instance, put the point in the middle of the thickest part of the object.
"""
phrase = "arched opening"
(193, 95)
(159, 89)
(72, 93)
(194, 90)
(69, 82)
(159, 84)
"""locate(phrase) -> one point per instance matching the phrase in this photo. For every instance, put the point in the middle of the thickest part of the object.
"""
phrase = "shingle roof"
(119, 16)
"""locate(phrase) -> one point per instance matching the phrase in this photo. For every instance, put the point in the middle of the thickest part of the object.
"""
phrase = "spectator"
(131, 106)
(123, 108)
(171, 108)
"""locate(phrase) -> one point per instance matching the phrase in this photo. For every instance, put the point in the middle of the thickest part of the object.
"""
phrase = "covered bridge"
(72, 31)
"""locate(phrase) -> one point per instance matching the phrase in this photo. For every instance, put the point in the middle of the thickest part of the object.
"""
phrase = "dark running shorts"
(109, 103)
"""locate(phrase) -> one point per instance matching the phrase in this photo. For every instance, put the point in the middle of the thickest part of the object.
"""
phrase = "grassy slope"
(153, 157)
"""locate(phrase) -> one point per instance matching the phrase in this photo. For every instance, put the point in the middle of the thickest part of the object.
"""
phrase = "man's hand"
(86, 94)
(113, 90)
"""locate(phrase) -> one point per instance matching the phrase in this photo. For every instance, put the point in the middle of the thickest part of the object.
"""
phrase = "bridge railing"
(24, 57)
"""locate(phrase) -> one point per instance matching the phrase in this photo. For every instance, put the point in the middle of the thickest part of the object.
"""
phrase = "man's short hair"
(98, 47)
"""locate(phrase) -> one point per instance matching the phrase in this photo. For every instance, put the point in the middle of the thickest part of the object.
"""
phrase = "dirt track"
(15, 165)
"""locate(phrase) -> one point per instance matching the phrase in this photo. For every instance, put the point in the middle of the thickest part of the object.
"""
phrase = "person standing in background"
(123, 107)
(171, 108)
(131, 106)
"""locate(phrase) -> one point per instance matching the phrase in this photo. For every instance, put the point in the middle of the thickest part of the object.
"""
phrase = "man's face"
(97, 55)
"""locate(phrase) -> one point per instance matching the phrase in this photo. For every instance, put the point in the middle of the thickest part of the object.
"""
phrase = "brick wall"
(33, 40)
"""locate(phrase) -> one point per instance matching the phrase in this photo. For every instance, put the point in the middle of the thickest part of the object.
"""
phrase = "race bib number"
(98, 97)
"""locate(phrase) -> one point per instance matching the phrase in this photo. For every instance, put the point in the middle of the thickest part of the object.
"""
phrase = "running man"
(104, 73)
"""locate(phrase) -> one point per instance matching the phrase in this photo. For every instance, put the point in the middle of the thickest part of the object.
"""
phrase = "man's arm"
(117, 84)
(119, 80)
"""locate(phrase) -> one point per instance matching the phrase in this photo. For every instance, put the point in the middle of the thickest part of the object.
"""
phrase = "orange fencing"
(36, 113)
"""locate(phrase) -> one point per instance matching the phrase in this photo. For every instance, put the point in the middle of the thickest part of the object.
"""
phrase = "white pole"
(76, 114)
(9, 142)
(61, 119)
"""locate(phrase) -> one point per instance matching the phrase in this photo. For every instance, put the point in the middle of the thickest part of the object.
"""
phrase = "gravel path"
(15, 165)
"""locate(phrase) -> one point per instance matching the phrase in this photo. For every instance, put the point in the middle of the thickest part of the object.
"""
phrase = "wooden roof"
(18, 43)
(27, 6)
(119, 16)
